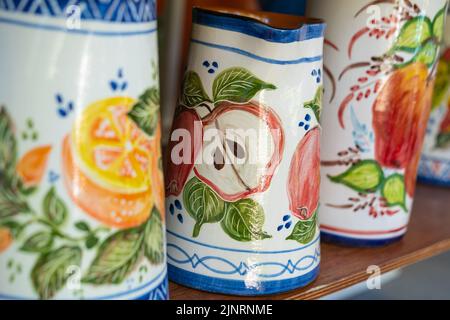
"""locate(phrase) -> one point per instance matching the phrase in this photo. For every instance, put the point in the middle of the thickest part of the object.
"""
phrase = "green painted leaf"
(82, 226)
(244, 221)
(237, 85)
(91, 241)
(193, 92)
(154, 238)
(316, 104)
(116, 258)
(8, 146)
(394, 191)
(39, 242)
(438, 23)
(304, 231)
(413, 34)
(145, 113)
(202, 204)
(442, 141)
(51, 271)
(442, 83)
(427, 53)
(366, 176)
(11, 202)
(54, 208)
(15, 227)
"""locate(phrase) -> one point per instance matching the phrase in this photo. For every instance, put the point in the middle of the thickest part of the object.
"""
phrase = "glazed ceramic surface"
(237, 226)
(380, 68)
(81, 186)
(434, 166)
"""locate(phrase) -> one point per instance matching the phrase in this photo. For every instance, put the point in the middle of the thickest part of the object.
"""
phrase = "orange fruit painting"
(32, 165)
(5, 239)
(109, 164)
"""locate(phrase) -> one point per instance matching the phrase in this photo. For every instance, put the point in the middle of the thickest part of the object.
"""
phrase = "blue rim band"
(434, 181)
(355, 242)
(99, 10)
(257, 29)
(238, 287)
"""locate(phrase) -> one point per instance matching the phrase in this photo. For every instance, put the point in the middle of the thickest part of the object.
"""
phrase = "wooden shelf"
(341, 267)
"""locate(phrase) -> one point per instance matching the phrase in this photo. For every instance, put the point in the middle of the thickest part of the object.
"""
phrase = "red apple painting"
(304, 176)
(179, 165)
(242, 165)
(231, 166)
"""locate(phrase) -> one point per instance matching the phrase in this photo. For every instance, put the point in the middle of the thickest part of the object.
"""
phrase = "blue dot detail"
(180, 218)
(178, 205)
(215, 64)
(59, 98)
(288, 225)
(301, 124)
(308, 117)
(62, 112)
(307, 127)
(171, 209)
(286, 218)
(280, 228)
(206, 64)
(211, 71)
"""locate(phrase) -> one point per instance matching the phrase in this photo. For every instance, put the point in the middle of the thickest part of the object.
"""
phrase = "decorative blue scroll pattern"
(123, 11)
(303, 264)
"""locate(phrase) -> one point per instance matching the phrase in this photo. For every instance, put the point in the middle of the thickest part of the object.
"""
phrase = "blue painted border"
(355, 242)
(237, 287)
(98, 10)
(257, 29)
(109, 297)
(434, 181)
(239, 250)
(256, 57)
(76, 31)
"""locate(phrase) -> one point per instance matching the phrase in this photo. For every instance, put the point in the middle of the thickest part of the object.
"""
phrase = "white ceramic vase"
(81, 186)
(379, 63)
(242, 181)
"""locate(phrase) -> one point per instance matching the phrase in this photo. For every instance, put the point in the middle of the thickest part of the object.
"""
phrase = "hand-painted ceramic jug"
(434, 166)
(81, 186)
(242, 180)
(379, 79)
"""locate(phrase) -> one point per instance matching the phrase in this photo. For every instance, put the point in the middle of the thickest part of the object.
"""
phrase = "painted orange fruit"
(32, 165)
(108, 163)
(413, 165)
(5, 239)
(400, 115)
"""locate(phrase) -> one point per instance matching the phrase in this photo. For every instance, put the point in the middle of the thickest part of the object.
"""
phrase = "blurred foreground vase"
(241, 201)
(380, 67)
(81, 185)
(434, 166)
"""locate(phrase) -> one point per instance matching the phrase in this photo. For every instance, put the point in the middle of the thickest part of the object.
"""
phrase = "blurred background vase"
(380, 65)
(81, 185)
(434, 166)
(241, 213)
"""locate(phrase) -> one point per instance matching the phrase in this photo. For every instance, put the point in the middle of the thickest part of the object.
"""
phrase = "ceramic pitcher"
(379, 73)
(81, 186)
(242, 182)
(434, 166)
